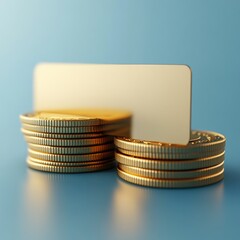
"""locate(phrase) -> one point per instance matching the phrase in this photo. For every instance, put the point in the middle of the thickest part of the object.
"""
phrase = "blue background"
(202, 34)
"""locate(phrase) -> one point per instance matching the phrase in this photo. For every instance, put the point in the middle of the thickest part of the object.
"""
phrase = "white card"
(159, 96)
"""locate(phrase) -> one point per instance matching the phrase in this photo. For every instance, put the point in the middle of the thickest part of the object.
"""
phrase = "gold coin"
(60, 136)
(68, 130)
(77, 130)
(69, 164)
(105, 115)
(173, 183)
(74, 118)
(58, 119)
(69, 142)
(210, 143)
(158, 164)
(183, 174)
(71, 157)
(57, 169)
(71, 150)
(124, 132)
(169, 156)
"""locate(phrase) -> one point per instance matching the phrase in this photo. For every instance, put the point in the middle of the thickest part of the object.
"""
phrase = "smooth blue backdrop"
(202, 34)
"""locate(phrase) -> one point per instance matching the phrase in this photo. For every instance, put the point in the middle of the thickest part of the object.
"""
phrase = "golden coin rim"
(71, 150)
(57, 169)
(165, 183)
(141, 145)
(164, 164)
(77, 121)
(202, 153)
(60, 135)
(119, 132)
(70, 164)
(75, 117)
(171, 174)
(107, 115)
(76, 130)
(69, 142)
(71, 157)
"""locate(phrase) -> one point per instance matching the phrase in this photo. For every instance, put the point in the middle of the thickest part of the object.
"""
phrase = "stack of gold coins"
(154, 164)
(73, 140)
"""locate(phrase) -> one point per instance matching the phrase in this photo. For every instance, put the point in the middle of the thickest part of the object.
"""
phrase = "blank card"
(159, 96)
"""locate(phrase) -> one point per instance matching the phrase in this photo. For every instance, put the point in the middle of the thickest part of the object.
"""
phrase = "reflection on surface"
(43, 202)
(128, 207)
(37, 201)
(94, 203)
(218, 192)
(134, 206)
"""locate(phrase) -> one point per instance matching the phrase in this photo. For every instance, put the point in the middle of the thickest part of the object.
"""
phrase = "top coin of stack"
(158, 164)
(73, 140)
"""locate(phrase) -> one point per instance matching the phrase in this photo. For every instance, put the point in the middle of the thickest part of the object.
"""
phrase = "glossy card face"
(159, 96)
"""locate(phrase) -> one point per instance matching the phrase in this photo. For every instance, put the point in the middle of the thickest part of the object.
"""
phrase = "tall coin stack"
(74, 140)
(155, 164)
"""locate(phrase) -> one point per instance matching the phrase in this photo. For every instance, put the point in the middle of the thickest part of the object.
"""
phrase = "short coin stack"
(74, 140)
(155, 164)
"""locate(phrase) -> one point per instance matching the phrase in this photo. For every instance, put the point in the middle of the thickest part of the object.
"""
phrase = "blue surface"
(202, 34)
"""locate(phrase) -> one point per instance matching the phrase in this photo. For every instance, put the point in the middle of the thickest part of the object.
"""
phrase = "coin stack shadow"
(71, 145)
(153, 164)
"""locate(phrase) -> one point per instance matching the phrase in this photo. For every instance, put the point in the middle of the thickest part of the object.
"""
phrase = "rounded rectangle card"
(159, 96)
